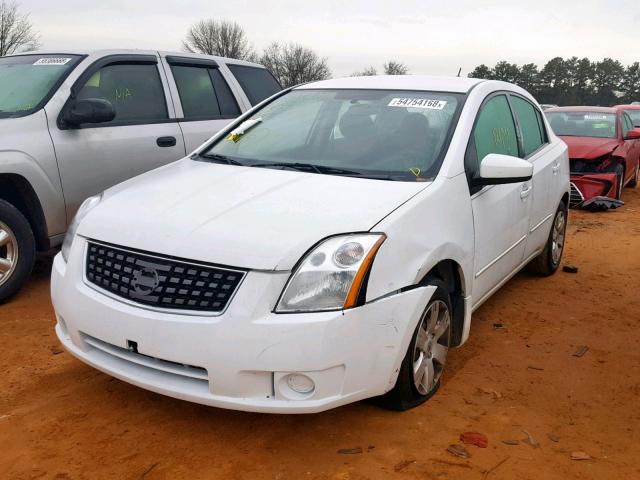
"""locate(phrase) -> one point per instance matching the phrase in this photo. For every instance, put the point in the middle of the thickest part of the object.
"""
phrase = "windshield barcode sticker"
(417, 103)
(52, 61)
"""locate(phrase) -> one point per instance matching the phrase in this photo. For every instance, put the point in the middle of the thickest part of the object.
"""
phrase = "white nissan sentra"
(327, 247)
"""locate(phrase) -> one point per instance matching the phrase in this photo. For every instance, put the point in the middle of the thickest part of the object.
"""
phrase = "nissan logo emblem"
(145, 281)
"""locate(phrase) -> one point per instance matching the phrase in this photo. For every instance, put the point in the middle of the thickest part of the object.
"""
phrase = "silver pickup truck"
(73, 124)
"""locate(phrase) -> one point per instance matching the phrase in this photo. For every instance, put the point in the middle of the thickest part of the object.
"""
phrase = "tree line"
(572, 81)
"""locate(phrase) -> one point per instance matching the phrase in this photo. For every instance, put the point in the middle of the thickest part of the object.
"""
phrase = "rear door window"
(530, 126)
(204, 94)
(257, 83)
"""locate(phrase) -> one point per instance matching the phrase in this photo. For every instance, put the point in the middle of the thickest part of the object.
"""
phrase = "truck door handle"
(526, 190)
(166, 141)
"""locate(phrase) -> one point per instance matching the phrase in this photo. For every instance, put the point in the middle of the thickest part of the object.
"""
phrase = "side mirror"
(496, 169)
(633, 134)
(89, 110)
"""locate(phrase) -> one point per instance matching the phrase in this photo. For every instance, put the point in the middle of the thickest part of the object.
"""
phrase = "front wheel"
(17, 250)
(423, 364)
(548, 261)
(636, 177)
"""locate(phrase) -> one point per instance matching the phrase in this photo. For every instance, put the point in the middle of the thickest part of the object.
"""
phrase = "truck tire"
(17, 250)
(549, 259)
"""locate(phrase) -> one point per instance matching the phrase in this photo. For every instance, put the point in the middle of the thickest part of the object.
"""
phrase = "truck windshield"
(386, 134)
(28, 80)
(583, 124)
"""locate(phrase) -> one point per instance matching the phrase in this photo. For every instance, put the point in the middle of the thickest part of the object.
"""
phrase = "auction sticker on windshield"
(418, 103)
(52, 61)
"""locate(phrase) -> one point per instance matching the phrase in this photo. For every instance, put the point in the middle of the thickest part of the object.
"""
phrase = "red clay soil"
(520, 383)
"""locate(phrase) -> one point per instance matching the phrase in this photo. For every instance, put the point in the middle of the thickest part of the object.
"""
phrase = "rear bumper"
(241, 359)
(584, 187)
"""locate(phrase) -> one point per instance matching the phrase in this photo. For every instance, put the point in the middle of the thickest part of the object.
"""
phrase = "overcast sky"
(430, 37)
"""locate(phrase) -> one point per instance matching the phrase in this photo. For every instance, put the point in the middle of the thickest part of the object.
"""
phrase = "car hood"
(590, 148)
(253, 218)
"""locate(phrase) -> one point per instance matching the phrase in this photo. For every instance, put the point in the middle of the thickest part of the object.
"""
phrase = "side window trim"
(108, 60)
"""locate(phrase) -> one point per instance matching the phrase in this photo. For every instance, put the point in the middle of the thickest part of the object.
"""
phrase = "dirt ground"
(61, 419)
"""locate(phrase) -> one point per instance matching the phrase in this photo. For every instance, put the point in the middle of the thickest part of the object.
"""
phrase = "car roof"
(582, 109)
(397, 82)
(628, 107)
(133, 51)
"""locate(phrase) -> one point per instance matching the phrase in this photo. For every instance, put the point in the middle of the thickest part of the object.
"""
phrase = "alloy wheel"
(431, 346)
(557, 236)
(8, 253)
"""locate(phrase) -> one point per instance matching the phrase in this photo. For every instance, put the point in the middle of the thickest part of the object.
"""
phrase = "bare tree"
(367, 72)
(16, 31)
(293, 64)
(219, 37)
(395, 68)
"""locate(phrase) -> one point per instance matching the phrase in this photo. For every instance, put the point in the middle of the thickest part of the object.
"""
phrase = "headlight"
(331, 275)
(85, 208)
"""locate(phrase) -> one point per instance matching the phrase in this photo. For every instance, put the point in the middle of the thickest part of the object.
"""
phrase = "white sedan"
(327, 247)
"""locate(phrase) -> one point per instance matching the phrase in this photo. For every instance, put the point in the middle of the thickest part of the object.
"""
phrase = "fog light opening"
(300, 383)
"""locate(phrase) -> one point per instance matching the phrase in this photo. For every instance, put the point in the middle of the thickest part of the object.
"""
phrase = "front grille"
(160, 281)
(575, 197)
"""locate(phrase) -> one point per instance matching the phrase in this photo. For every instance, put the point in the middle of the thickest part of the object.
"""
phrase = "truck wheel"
(17, 250)
(422, 366)
(548, 261)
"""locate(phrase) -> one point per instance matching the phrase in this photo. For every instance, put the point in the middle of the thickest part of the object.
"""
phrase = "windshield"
(27, 80)
(395, 135)
(583, 124)
(635, 117)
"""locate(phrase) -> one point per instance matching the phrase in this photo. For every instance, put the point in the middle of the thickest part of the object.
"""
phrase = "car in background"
(546, 106)
(633, 110)
(604, 150)
(328, 246)
(75, 123)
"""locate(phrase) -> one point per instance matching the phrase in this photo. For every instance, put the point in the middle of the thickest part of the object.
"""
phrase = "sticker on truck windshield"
(417, 103)
(52, 61)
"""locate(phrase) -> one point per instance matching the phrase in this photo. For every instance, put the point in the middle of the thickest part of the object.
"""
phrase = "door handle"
(555, 168)
(166, 141)
(526, 190)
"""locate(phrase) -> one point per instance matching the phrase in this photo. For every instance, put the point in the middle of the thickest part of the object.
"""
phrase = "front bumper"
(241, 359)
(584, 187)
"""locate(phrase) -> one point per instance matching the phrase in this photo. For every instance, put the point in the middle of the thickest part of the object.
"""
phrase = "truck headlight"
(85, 208)
(331, 275)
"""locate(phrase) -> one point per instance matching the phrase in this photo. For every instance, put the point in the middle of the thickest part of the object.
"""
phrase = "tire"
(619, 171)
(435, 328)
(17, 250)
(549, 259)
(636, 178)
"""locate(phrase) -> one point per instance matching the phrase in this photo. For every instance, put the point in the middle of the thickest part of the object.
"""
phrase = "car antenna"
(459, 71)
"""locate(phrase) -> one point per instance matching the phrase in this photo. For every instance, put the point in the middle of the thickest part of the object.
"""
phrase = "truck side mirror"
(89, 110)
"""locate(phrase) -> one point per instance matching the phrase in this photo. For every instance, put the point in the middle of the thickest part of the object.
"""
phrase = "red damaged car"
(604, 149)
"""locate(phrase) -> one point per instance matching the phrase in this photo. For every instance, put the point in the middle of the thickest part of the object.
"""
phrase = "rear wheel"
(423, 364)
(17, 250)
(548, 261)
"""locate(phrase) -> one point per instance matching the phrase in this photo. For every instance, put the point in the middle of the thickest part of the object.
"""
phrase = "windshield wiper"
(216, 157)
(307, 167)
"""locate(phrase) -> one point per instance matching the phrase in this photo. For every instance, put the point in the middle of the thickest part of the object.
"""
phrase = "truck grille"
(160, 281)
(575, 197)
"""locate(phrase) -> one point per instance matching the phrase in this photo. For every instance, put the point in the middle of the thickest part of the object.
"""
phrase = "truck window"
(257, 83)
(135, 91)
(28, 81)
(204, 94)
